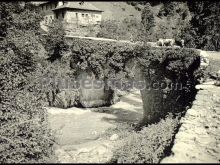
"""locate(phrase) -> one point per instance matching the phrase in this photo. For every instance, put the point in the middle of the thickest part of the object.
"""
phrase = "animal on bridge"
(165, 42)
(170, 42)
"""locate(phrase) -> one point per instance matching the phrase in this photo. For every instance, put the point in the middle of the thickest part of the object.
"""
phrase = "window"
(82, 15)
(63, 14)
(87, 15)
(93, 15)
(57, 16)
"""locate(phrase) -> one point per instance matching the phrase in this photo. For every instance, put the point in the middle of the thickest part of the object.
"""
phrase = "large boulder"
(91, 95)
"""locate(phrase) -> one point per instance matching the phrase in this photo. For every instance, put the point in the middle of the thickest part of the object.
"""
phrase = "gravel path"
(198, 139)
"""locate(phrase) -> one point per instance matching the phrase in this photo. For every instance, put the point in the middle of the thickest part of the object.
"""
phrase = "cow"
(170, 42)
(165, 42)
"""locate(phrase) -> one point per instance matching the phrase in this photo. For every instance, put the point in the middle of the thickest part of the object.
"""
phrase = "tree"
(204, 25)
(147, 19)
(172, 18)
(55, 42)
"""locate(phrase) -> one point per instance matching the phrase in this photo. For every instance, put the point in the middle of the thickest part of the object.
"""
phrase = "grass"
(117, 10)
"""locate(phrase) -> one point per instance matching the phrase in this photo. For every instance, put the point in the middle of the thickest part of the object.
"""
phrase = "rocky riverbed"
(79, 131)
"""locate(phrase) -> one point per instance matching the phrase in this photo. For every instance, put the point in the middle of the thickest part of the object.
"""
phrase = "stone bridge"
(152, 99)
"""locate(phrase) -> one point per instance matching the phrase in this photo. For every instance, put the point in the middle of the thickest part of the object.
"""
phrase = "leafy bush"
(53, 78)
(149, 145)
(57, 69)
(106, 59)
(24, 135)
(55, 42)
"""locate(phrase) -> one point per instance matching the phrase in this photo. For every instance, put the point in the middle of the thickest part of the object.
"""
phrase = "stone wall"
(197, 140)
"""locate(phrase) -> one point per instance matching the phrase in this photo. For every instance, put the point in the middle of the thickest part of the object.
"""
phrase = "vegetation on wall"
(108, 60)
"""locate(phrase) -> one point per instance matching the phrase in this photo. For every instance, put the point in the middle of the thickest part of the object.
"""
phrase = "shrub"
(53, 77)
(24, 135)
(55, 42)
(149, 145)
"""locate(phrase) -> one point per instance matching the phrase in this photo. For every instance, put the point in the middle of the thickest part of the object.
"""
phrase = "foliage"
(56, 68)
(152, 3)
(54, 77)
(171, 19)
(147, 19)
(104, 58)
(168, 9)
(203, 30)
(24, 134)
(196, 22)
(108, 60)
(169, 66)
(147, 146)
(55, 42)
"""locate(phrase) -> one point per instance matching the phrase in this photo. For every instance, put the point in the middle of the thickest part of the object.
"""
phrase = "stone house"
(78, 18)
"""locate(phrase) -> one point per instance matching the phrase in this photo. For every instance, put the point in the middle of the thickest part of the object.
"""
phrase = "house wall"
(49, 14)
(79, 17)
(83, 17)
(76, 22)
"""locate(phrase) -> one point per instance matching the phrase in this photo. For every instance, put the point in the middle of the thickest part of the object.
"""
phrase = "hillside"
(117, 10)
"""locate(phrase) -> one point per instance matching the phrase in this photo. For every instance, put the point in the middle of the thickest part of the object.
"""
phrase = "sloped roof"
(77, 5)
